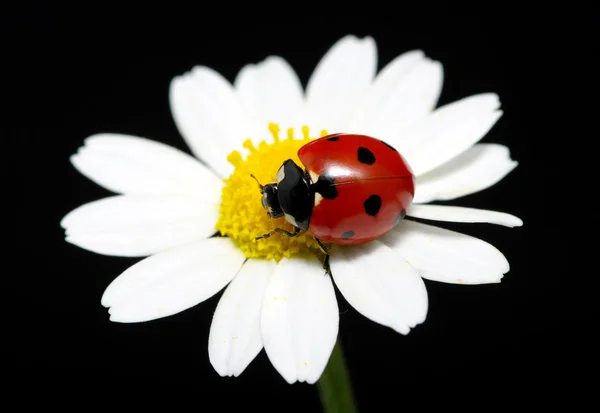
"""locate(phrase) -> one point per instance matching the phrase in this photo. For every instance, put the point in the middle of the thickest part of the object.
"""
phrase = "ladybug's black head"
(290, 196)
(270, 202)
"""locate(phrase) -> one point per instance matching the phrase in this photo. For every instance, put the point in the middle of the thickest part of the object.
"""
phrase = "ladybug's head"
(269, 200)
(290, 196)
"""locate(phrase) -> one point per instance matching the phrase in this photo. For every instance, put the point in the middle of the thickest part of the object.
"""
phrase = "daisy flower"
(196, 219)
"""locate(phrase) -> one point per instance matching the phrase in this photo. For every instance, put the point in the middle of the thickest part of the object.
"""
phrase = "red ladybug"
(354, 189)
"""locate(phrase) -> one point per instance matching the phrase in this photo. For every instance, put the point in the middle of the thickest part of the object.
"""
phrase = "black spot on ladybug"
(400, 217)
(325, 186)
(389, 146)
(334, 138)
(366, 156)
(348, 234)
(372, 205)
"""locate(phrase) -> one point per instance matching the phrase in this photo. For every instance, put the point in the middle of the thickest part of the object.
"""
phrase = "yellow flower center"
(242, 216)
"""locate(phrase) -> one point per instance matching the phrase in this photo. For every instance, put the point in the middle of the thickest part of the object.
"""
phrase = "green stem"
(334, 385)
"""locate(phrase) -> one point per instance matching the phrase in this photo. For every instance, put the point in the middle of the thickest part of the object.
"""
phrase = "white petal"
(449, 131)
(447, 256)
(461, 214)
(478, 168)
(380, 285)
(141, 225)
(405, 91)
(172, 281)
(299, 319)
(133, 165)
(270, 92)
(209, 116)
(235, 336)
(340, 81)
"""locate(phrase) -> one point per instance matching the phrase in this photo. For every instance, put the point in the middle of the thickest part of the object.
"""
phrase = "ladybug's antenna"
(259, 185)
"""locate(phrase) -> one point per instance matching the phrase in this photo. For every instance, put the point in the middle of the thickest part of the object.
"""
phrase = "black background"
(74, 73)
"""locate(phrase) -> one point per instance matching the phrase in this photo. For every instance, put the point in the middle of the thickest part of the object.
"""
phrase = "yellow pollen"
(242, 216)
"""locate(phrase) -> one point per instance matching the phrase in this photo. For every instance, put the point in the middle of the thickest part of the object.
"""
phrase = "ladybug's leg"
(326, 266)
(322, 246)
(281, 231)
(326, 252)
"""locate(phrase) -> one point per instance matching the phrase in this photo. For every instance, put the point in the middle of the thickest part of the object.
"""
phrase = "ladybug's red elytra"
(353, 189)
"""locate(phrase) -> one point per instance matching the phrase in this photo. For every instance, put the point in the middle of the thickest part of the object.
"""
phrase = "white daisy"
(277, 295)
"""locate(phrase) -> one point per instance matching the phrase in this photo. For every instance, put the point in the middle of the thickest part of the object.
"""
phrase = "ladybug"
(352, 190)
